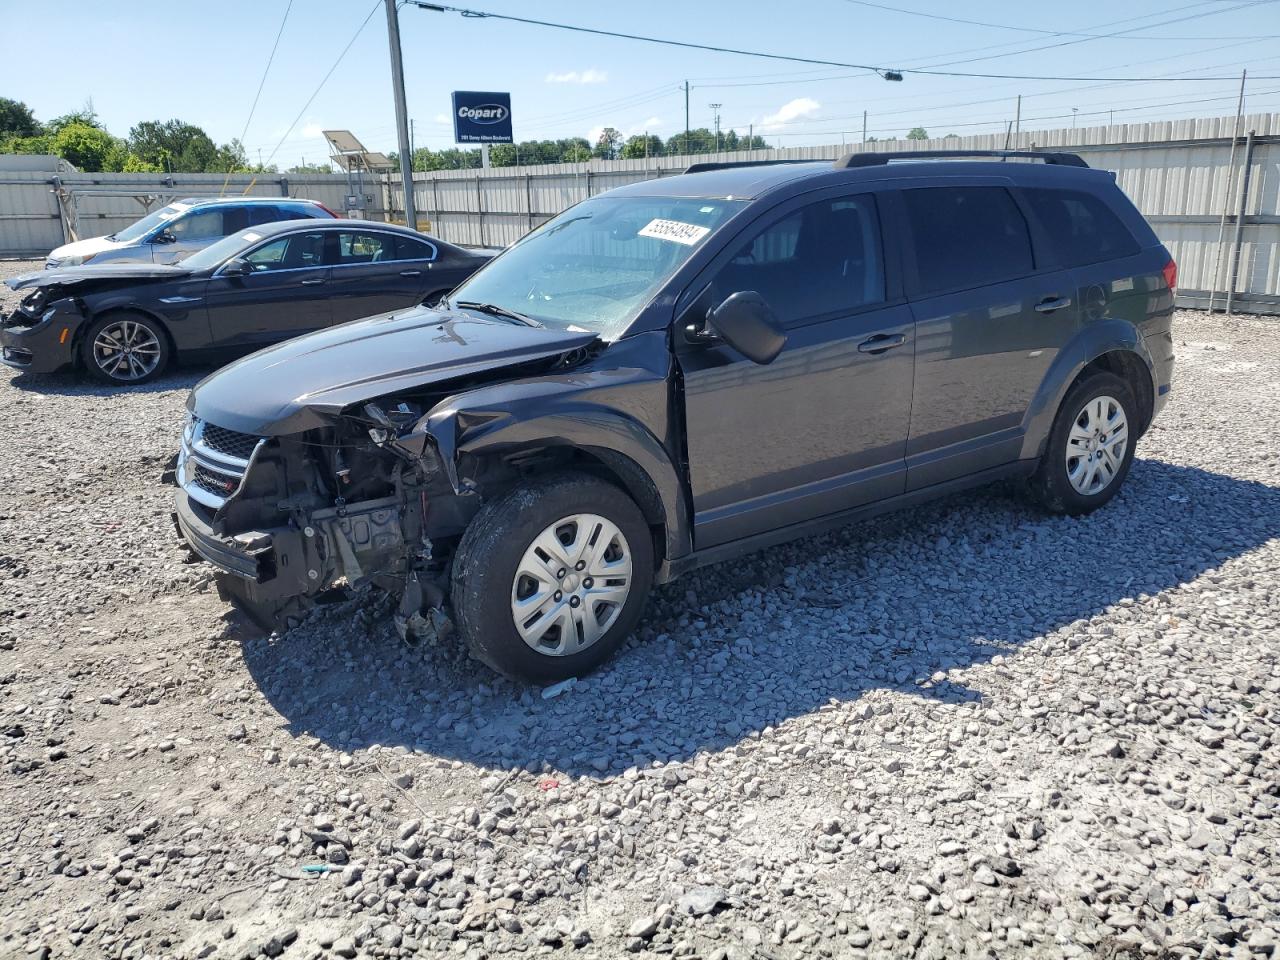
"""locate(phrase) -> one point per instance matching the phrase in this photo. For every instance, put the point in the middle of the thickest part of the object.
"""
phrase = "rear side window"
(1082, 227)
(967, 237)
(295, 213)
(261, 213)
(819, 260)
(408, 248)
(363, 248)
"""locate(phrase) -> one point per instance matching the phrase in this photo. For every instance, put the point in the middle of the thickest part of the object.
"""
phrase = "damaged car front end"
(316, 493)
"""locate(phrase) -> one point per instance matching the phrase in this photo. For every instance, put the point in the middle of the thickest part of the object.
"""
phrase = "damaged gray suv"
(676, 372)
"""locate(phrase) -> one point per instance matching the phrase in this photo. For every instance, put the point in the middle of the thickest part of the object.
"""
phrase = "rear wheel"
(125, 348)
(550, 578)
(1090, 447)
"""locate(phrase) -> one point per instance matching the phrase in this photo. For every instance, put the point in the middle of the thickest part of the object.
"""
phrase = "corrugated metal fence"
(1177, 172)
(40, 210)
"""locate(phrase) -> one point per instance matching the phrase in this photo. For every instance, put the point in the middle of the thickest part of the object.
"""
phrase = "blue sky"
(202, 61)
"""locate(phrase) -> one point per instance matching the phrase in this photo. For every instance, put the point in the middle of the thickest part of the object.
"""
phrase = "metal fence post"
(528, 197)
(435, 207)
(1240, 212)
(480, 208)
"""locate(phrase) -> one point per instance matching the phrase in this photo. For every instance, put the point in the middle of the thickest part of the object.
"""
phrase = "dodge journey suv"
(678, 371)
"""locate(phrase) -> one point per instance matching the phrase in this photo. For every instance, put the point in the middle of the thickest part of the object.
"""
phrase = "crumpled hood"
(299, 384)
(65, 276)
(83, 248)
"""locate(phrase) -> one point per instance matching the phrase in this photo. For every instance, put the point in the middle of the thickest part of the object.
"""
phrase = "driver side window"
(201, 225)
(813, 263)
(298, 250)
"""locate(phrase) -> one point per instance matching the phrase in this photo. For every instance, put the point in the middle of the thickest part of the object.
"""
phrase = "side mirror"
(164, 236)
(746, 322)
(235, 267)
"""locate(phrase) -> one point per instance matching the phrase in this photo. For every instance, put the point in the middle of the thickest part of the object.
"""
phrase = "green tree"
(174, 145)
(41, 143)
(325, 168)
(89, 148)
(86, 116)
(641, 146)
(918, 133)
(17, 120)
(607, 144)
(699, 140)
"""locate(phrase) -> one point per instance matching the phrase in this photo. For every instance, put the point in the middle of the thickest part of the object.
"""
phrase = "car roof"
(753, 181)
(199, 201)
(337, 223)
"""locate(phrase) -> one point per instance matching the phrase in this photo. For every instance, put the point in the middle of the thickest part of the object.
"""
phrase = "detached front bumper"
(43, 344)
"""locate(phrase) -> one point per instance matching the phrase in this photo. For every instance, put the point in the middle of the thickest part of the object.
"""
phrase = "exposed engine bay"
(367, 499)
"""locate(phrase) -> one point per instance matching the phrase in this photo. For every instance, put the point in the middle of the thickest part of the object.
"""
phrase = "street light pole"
(402, 115)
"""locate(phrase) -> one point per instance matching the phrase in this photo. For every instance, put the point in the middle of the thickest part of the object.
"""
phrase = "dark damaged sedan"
(125, 323)
(679, 371)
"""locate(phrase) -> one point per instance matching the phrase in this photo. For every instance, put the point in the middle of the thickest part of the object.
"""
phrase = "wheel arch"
(602, 442)
(1110, 345)
(93, 317)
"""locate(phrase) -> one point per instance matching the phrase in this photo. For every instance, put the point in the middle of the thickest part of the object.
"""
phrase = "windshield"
(599, 263)
(215, 253)
(138, 230)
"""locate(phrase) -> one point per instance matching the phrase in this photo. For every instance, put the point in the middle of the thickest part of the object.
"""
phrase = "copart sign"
(481, 117)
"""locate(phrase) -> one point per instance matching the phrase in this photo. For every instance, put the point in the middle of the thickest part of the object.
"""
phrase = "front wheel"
(1090, 447)
(125, 349)
(551, 577)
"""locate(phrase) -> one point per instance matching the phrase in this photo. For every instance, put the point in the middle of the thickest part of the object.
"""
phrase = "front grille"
(229, 442)
(213, 461)
(211, 481)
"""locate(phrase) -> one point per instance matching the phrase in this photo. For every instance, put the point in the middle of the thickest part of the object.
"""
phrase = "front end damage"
(289, 519)
(367, 497)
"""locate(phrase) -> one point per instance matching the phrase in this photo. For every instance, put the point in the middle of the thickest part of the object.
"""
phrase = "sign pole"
(484, 155)
(402, 115)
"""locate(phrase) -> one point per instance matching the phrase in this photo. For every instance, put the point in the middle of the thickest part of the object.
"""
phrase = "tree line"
(174, 146)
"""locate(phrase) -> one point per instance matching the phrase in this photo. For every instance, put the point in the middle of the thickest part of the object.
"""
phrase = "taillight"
(1170, 272)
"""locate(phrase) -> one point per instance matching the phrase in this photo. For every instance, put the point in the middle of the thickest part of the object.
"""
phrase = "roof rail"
(731, 164)
(879, 159)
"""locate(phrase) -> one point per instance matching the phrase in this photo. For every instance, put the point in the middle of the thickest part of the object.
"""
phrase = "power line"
(325, 79)
(261, 83)
(1052, 33)
(886, 72)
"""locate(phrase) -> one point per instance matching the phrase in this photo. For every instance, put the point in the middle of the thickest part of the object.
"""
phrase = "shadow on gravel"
(733, 649)
(82, 385)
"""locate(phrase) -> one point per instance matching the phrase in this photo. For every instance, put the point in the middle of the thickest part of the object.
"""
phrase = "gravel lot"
(965, 730)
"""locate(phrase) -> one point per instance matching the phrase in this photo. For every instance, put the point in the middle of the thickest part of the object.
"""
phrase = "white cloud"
(443, 118)
(590, 75)
(791, 110)
(313, 130)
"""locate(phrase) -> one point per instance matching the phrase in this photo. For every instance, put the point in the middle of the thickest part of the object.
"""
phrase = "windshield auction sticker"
(675, 231)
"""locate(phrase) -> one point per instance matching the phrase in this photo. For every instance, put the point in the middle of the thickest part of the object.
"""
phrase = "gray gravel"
(965, 730)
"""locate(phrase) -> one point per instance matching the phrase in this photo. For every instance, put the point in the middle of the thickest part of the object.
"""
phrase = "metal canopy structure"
(346, 150)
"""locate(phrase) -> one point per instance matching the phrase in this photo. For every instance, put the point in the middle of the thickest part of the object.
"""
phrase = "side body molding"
(618, 411)
(1093, 340)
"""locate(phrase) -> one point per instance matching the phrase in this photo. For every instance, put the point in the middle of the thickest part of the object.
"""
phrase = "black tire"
(1050, 485)
(489, 556)
(150, 340)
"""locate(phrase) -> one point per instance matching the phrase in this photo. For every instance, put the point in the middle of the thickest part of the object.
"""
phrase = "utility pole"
(716, 107)
(864, 126)
(402, 115)
(413, 148)
(1017, 123)
(686, 116)
(1074, 111)
(751, 136)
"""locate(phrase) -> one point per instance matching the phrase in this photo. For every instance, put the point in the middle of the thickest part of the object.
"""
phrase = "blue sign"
(481, 117)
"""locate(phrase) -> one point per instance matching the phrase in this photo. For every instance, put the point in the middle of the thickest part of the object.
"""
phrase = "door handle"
(313, 281)
(1050, 304)
(410, 273)
(882, 342)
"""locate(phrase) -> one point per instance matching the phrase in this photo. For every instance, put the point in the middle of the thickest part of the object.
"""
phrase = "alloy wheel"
(1096, 445)
(571, 584)
(126, 350)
